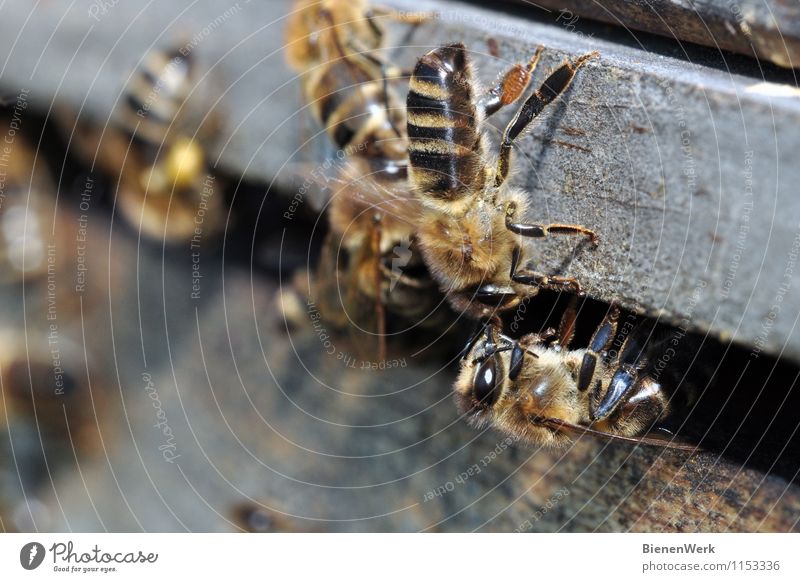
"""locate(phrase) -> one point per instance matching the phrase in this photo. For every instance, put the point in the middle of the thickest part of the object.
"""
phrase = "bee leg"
(478, 332)
(522, 347)
(540, 280)
(490, 346)
(389, 71)
(510, 86)
(632, 361)
(532, 339)
(516, 361)
(566, 328)
(490, 294)
(601, 341)
(411, 18)
(380, 308)
(558, 81)
(543, 230)
(622, 382)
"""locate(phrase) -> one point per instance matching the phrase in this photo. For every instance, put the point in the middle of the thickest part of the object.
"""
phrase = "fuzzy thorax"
(467, 249)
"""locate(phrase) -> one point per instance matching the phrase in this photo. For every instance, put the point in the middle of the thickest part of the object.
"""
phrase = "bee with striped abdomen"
(371, 247)
(544, 393)
(347, 85)
(469, 229)
(155, 148)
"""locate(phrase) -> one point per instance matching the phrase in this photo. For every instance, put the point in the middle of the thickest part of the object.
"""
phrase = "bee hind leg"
(509, 87)
(555, 84)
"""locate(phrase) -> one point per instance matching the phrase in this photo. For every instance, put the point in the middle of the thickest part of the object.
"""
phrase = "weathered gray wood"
(765, 29)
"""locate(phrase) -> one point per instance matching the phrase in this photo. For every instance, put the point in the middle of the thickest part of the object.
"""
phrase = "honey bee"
(468, 229)
(154, 147)
(333, 44)
(542, 393)
(371, 247)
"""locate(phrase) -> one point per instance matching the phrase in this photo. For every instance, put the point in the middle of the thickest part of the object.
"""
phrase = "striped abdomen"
(155, 95)
(350, 102)
(445, 146)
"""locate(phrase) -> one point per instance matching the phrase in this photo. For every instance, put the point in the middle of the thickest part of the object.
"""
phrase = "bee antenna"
(478, 331)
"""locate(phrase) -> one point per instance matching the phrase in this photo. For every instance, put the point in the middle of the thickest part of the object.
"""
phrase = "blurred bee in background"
(468, 229)
(155, 147)
(257, 518)
(371, 248)
(319, 30)
(541, 392)
(27, 212)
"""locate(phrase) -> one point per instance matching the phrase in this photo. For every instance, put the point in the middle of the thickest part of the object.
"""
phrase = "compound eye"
(486, 387)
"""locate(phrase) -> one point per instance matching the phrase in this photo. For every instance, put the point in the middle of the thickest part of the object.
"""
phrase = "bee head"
(515, 385)
(482, 376)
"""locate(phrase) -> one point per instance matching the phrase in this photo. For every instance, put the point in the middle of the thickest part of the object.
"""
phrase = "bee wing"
(377, 188)
(651, 439)
(315, 185)
(352, 179)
